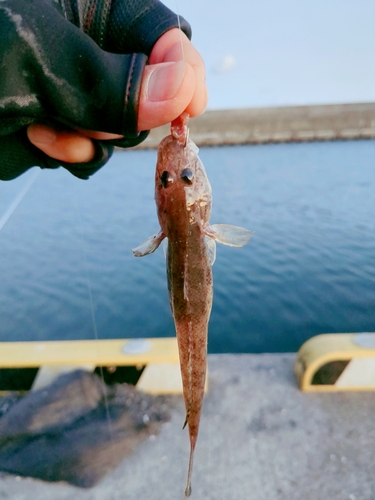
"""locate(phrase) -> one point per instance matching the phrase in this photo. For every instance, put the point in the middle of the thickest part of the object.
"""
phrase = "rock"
(77, 429)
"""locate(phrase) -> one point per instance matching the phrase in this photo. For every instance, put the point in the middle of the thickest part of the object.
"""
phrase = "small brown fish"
(183, 199)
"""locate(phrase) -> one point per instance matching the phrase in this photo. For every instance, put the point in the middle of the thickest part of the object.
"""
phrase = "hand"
(173, 82)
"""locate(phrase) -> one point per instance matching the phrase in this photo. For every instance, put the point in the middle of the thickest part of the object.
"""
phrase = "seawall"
(278, 124)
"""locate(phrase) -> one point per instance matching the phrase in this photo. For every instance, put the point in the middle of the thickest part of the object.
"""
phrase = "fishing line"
(179, 27)
(86, 267)
(92, 308)
(17, 200)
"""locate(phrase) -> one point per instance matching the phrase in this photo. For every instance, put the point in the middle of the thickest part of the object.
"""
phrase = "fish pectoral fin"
(226, 234)
(211, 247)
(149, 246)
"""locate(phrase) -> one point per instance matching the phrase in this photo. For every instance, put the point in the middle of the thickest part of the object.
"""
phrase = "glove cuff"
(133, 83)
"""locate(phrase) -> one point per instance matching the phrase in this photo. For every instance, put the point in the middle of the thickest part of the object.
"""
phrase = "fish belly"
(190, 289)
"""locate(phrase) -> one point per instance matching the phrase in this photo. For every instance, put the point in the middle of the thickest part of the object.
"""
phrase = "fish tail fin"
(190, 470)
(188, 491)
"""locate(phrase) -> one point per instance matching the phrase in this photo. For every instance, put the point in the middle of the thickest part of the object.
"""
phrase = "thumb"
(166, 90)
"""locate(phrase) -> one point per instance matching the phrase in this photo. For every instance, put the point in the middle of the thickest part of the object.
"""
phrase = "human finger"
(166, 91)
(175, 46)
(67, 146)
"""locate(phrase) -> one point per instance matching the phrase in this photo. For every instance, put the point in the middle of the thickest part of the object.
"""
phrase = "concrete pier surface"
(260, 439)
(278, 124)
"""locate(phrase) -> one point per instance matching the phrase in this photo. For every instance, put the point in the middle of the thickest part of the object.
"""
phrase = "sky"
(284, 52)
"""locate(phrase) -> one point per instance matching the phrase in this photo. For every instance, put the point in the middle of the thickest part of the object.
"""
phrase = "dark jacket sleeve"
(53, 70)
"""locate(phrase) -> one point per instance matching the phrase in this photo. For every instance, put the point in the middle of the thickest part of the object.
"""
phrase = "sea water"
(66, 261)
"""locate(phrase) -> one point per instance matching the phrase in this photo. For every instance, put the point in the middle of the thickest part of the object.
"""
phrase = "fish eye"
(187, 175)
(166, 179)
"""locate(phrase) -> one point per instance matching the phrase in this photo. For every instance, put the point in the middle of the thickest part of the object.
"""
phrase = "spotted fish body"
(183, 199)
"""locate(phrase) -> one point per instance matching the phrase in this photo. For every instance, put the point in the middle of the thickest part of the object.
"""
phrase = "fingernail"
(165, 80)
(41, 134)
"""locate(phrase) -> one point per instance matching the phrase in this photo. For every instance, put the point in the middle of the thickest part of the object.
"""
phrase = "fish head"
(181, 183)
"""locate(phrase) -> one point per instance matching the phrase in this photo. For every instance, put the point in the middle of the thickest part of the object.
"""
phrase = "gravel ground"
(260, 439)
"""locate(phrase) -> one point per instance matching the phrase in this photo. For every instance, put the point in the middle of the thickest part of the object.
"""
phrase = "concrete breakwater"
(282, 124)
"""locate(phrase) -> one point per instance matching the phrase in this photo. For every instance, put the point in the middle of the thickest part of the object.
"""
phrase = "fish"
(183, 197)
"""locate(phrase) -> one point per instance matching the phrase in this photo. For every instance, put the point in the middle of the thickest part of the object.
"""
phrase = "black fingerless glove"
(52, 70)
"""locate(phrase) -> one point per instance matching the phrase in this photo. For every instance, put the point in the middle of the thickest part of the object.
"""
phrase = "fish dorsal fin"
(211, 247)
(226, 234)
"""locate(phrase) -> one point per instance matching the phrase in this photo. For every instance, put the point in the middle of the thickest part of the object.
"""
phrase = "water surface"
(309, 269)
